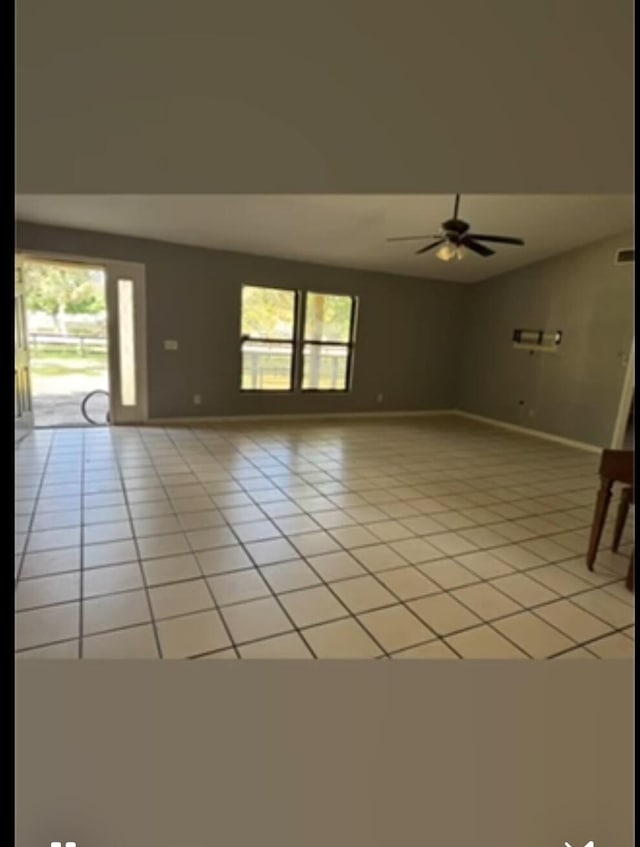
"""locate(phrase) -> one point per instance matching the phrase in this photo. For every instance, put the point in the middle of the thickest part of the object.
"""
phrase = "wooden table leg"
(630, 572)
(599, 517)
(621, 517)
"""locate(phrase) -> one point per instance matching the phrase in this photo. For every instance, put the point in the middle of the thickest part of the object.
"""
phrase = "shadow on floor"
(59, 410)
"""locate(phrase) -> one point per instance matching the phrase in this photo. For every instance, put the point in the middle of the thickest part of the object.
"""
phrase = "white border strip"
(536, 433)
(336, 416)
(315, 416)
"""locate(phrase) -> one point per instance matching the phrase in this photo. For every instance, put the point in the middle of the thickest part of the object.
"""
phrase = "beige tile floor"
(416, 538)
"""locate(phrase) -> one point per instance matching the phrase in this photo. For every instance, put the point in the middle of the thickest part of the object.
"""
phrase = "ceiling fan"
(454, 238)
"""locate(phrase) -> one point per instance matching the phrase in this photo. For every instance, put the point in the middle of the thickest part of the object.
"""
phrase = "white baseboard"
(536, 433)
(337, 416)
(317, 416)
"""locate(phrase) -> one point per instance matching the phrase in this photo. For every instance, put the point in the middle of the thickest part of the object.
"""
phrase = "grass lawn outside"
(62, 372)
(62, 363)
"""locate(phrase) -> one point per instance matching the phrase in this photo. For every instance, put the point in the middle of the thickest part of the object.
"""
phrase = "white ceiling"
(347, 230)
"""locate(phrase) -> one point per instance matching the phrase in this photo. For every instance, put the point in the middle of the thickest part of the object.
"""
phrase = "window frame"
(291, 342)
(297, 342)
(349, 344)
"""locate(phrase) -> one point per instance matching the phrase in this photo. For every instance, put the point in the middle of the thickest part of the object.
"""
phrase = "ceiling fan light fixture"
(455, 239)
(447, 252)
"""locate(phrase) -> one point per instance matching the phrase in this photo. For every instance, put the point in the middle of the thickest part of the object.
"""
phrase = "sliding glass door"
(23, 401)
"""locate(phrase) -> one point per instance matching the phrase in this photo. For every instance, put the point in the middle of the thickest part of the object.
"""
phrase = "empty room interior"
(334, 427)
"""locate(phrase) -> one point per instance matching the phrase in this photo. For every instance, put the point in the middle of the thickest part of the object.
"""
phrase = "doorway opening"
(67, 334)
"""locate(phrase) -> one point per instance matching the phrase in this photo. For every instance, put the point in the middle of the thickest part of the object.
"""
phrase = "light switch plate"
(170, 345)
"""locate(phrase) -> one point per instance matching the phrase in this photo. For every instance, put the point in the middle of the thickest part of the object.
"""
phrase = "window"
(126, 342)
(268, 336)
(328, 342)
(290, 342)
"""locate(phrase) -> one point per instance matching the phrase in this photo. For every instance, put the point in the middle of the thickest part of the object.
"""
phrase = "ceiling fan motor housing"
(455, 228)
(454, 233)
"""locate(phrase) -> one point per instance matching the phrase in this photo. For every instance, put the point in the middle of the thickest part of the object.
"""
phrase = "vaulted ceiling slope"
(347, 230)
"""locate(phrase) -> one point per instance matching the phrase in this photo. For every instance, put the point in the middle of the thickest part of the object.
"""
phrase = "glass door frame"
(23, 409)
(120, 413)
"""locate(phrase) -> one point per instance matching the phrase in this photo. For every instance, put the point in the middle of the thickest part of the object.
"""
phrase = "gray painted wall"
(422, 344)
(574, 393)
(406, 350)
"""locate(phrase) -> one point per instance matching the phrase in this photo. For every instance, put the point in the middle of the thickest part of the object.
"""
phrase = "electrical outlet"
(169, 344)
(197, 400)
(380, 398)
(532, 413)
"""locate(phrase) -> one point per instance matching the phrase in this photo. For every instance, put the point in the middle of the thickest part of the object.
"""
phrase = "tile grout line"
(273, 595)
(152, 619)
(82, 533)
(372, 574)
(33, 512)
(349, 613)
(401, 602)
(184, 457)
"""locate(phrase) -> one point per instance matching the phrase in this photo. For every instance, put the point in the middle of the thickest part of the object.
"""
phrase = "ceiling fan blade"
(478, 248)
(498, 239)
(430, 246)
(411, 237)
